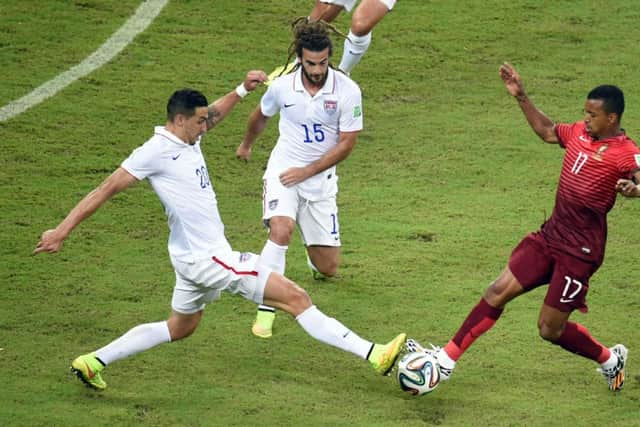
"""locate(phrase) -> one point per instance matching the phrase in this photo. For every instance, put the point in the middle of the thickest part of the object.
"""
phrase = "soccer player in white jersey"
(320, 118)
(204, 263)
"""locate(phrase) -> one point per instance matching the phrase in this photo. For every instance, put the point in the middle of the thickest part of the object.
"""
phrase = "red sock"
(480, 320)
(577, 339)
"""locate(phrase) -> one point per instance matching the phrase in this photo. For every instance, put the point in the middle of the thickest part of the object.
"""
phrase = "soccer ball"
(418, 373)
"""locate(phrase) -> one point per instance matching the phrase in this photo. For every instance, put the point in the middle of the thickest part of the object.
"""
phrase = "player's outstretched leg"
(383, 357)
(615, 375)
(87, 367)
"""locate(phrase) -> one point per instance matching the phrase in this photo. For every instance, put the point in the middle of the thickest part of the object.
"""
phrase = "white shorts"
(349, 4)
(317, 220)
(201, 282)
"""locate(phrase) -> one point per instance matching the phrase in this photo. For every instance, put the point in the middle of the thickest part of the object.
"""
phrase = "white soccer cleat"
(615, 376)
(445, 364)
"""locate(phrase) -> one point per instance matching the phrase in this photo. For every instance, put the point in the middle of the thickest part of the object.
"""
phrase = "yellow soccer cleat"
(88, 368)
(383, 357)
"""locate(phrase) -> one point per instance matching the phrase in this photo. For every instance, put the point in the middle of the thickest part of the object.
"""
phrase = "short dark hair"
(185, 101)
(612, 97)
(313, 36)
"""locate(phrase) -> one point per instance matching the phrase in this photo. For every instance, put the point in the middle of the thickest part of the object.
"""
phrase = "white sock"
(140, 338)
(273, 256)
(329, 331)
(611, 362)
(354, 49)
(444, 360)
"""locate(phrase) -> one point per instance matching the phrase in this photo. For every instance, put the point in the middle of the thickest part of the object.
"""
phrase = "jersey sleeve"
(142, 162)
(269, 104)
(564, 132)
(351, 113)
(629, 162)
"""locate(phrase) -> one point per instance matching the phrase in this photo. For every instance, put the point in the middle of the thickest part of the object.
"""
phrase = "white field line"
(138, 22)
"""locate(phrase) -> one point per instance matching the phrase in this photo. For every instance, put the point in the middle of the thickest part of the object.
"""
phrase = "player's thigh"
(348, 5)
(328, 12)
(279, 200)
(532, 262)
(368, 14)
(569, 283)
(319, 224)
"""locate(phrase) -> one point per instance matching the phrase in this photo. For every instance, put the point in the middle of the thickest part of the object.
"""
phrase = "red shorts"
(534, 263)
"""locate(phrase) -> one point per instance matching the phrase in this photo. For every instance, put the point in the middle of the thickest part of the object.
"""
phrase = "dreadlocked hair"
(310, 35)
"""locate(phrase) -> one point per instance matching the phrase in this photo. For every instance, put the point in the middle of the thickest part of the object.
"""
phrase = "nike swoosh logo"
(89, 371)
(583, 139)
(288, 105)
(564, 301)
(345, 335)
(176, 156)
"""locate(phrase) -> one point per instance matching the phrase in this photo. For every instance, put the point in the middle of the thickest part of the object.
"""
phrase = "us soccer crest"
(330, 106)
(273, 204)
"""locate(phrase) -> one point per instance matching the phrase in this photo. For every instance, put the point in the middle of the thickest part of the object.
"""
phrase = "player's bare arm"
(255, 126)
(51, 240)
(220, 108)
(542, 125)
(341, 151)
(629, 187)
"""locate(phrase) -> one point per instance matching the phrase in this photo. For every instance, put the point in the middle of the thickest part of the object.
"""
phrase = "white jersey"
(178, 174)
(310, 126)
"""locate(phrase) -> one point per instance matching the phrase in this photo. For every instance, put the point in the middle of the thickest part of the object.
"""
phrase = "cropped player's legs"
(365, 17)
(284, 294)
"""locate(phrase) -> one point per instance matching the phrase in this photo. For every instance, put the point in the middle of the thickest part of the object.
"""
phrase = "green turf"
(446, 178)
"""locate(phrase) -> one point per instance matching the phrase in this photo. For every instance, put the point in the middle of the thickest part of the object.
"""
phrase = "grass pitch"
(446, 178)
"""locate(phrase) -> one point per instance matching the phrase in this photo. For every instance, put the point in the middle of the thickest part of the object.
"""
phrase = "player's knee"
(181, 331)
(280, 232)
(548, 332)
(298, 299)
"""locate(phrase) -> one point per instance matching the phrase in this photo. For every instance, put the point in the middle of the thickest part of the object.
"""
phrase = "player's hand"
(627, 188)
(511, 79)
(254, 78)
(243, 153)
(293, 176)
(50, 242)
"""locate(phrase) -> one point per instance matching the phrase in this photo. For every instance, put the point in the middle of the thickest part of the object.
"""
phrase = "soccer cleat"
(314, 271)
(87, 367)
(383, 357)
(263, 325)
(414, 346)
(615, 376)
(280, 71)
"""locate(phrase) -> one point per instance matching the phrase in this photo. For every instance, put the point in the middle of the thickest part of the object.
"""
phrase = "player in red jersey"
(600, 161)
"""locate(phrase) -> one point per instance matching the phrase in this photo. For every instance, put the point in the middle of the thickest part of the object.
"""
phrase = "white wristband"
(242, 91)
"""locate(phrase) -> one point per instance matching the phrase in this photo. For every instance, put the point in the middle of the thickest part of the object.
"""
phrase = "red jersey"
(586, 191)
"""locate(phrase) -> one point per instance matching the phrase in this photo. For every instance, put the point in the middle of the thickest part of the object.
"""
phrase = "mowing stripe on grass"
(139, 21)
